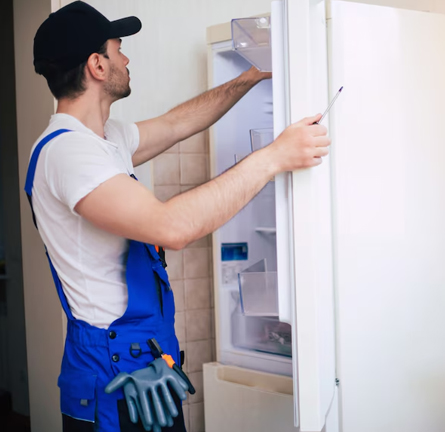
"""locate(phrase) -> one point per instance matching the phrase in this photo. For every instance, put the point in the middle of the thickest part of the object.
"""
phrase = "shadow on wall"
(14, 399)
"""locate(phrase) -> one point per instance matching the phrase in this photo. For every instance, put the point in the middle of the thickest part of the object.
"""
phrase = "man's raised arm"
(126, 208)
(189, 118)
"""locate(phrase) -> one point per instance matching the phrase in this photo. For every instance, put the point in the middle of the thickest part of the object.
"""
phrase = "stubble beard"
(118, 84)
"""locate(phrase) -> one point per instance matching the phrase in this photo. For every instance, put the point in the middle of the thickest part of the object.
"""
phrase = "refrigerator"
(329, 286)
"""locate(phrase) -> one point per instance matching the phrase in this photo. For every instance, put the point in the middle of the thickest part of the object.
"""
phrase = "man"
(99, 224)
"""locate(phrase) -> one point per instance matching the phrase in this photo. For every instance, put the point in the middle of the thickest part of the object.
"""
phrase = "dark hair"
(65, 84)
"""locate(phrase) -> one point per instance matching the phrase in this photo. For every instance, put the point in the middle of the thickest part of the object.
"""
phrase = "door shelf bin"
(258, 293)
(260, 138)
(251, 40)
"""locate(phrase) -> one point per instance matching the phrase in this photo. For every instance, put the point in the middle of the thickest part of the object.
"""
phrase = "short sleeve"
(128, 133)
(76, 164)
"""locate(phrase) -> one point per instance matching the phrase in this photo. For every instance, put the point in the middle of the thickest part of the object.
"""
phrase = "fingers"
(308, 121)
(159, 409)
(157, 428)
(179, 386)
(323, 141)
(321, 152)
(170, 421)
(147, 413)
(132, 410)
(168, 400)
(117, 382)
(318, 130)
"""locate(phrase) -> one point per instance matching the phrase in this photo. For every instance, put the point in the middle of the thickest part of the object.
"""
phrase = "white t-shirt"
(90, 262)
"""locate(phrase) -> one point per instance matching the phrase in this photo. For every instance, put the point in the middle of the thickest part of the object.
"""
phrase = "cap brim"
(124, 27)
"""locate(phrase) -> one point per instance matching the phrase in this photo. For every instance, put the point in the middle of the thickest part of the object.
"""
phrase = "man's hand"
(301, 145)
(158, 134)
(255, 76)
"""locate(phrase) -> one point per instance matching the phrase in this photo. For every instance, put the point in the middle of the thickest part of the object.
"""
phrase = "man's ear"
(97, 66)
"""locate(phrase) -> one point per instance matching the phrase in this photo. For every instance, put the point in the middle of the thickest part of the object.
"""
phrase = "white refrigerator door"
(305, 272)
(389, 206)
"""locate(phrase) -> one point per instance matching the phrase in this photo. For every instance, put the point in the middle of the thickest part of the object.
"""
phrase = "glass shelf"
(266, 230)
(258, 291)
(251, 40)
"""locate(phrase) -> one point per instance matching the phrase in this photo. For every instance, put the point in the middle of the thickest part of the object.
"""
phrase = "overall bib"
(94, 356)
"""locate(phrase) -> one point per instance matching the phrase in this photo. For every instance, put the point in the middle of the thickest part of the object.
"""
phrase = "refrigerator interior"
(249, 332)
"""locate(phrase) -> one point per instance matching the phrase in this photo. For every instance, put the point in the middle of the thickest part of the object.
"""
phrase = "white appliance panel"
(389, 207)
(312, 230)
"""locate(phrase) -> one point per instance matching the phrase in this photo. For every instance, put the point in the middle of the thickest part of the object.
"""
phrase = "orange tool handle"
(169, 360)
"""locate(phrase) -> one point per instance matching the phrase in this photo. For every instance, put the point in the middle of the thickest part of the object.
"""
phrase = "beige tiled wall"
(184, 166)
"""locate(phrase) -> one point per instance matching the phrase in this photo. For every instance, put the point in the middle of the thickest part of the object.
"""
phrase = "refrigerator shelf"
(266, 230)
(251, 40)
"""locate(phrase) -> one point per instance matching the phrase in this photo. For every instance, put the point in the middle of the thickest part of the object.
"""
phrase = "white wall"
(42, 311)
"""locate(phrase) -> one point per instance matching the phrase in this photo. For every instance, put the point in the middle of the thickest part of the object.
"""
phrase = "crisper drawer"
(237, 399)
(261, 334)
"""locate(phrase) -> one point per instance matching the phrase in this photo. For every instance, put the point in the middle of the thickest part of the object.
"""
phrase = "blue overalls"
(94, 356)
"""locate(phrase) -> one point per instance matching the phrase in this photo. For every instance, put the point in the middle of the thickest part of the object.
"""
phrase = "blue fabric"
(35, 157)
(94, 356)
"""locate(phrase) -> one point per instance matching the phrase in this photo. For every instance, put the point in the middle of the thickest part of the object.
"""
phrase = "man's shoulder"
(115, 127)
(119, 131)
(68, 137)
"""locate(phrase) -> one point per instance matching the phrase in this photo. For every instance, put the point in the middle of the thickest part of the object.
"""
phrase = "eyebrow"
(120, 41)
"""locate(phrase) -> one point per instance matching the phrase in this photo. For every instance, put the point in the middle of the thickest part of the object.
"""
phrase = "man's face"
(117, 85)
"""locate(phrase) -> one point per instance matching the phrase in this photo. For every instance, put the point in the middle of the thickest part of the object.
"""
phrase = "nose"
(126, 60)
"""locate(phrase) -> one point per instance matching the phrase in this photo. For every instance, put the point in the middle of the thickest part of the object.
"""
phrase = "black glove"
(148, 394)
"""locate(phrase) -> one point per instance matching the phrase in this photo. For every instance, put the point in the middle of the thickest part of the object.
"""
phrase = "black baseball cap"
(69, 36)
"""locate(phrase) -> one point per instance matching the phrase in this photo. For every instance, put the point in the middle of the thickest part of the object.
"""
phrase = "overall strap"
(35, 157)
(28, 189)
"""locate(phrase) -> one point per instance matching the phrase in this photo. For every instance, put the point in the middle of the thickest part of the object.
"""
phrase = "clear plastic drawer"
(258, 291)
(263, 334)
(251, 39)
(260, 138)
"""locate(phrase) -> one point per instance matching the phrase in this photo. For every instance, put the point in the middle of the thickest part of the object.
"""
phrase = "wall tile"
(202, 242)
(196, 263)
(195, 144)
(213, 348)
(198, 323)
(197, 380)
(185, 188)
(212, 293)
(180, 327)
(194, 170)
(174, 149)
(196, 413)
(164, 193)
(175, 268)
(178, 291)
(197, 293)
(198, 353)
(212, 323)
(166, 169)
(185, 410)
